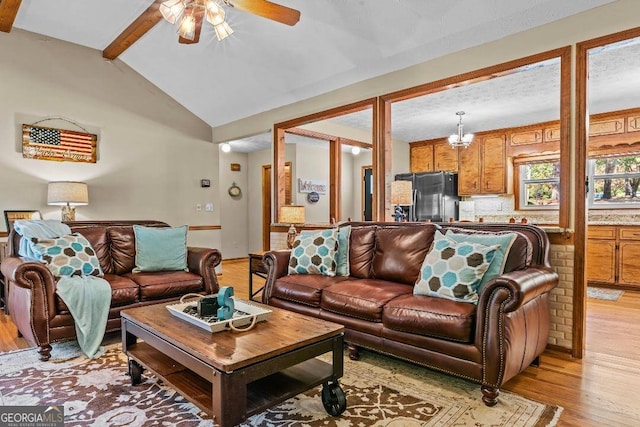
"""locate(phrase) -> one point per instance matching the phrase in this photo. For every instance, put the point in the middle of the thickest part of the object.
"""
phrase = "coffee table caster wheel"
(333, 398)
(135, 372)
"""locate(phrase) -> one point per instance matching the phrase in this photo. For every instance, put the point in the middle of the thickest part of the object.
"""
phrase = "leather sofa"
(488, 343)
(42, 317)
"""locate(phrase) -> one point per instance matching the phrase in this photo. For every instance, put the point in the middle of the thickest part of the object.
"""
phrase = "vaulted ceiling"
(265, 64)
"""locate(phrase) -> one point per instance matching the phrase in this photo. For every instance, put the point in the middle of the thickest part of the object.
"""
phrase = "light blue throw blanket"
(88, 297)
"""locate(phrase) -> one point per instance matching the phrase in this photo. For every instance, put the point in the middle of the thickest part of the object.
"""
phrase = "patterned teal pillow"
(314, 252)
(160, 249)
(70, 255)
(342, 256)
(454, 270)
(505, 240)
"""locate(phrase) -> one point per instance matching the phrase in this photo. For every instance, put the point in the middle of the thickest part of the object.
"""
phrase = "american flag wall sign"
(58, 144)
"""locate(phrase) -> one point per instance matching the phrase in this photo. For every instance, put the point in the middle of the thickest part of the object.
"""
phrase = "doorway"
(367, 193)
(607, 146)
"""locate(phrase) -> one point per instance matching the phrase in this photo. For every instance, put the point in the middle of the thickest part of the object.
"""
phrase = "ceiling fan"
(190, 15)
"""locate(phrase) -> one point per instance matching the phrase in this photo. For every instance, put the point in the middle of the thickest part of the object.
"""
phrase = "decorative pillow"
(454, 270)
(314, 252)
(70, 255)
(505, 240)
(342, 256)
(160, 249)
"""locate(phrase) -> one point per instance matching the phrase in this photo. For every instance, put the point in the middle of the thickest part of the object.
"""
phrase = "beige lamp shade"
(291, 214)
(67, 193)
(401, 193)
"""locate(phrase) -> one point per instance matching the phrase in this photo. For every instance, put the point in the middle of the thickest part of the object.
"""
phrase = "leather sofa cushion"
(362, 298)
(166, 284)
(361, 248)
(98, 238)
(429, 316)
(123, 248)
(123, 292)
(304, 288)
(400, 251)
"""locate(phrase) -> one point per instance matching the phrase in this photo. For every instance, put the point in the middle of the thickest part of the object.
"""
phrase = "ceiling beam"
(8, 12)
(138, 28)
(325, 136)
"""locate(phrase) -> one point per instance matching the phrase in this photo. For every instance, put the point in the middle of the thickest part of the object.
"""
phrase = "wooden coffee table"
(233, 375)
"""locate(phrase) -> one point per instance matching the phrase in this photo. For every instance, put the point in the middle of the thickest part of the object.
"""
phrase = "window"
(539, 184)
(614, 181)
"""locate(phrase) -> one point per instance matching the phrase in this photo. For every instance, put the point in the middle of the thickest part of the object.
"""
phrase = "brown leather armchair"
(42, 317)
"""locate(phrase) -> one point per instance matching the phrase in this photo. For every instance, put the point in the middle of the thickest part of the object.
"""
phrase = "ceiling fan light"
(187, 28)
(214, 13)
(223, 30)
(171, 10)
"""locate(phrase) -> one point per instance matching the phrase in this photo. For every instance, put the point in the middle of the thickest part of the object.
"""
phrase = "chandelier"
(460, 139)
(192, 12)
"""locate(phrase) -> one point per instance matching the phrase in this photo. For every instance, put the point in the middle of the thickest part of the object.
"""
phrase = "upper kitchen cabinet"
(483, 166)
(432, 156)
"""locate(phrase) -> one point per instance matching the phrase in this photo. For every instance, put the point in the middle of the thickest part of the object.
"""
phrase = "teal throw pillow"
(505, 240)
(160, 249)
(454, 270)
(342, 256)
(314, 252)
(70, 255)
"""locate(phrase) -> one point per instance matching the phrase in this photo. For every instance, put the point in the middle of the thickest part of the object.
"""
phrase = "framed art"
(11, 216)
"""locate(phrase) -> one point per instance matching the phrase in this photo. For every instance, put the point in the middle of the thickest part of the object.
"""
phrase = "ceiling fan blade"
(266, 9)
(198, 14)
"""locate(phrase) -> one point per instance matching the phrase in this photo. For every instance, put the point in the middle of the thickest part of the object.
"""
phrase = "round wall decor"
(234, 190)
(313, 197)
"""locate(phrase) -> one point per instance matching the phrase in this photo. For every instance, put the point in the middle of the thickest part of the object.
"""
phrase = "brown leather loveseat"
(42, 317)
(488, 343)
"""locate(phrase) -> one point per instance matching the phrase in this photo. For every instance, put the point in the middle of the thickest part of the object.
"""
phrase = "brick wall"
(561, 258)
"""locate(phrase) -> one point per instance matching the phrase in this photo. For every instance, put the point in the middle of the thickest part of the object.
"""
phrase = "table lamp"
(293, 215)
(401, 195)
(68, 194)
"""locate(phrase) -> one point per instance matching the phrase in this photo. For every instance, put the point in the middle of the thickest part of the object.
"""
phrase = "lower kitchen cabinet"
(613, 254)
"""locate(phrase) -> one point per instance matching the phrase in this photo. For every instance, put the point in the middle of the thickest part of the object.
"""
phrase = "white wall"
(234, 210)
(401, 160)
(312, 162)
(347, 187)
(254, 192)
(152, 152)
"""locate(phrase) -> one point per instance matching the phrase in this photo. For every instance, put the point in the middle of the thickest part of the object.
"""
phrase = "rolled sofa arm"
(513, 323)
(203, 261)
(522, 286)
(34, 287)
(277, 263)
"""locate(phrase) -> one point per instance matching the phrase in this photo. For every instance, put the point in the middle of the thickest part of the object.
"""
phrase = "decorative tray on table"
(244, 314)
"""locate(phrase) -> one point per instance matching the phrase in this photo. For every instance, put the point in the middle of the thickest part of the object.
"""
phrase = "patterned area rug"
(604, 293)
(380, 391)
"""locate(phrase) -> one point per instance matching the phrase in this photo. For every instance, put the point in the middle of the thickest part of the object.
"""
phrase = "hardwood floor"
(600, 390)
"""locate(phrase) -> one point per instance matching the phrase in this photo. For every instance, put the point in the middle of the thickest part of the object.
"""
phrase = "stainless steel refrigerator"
(435, 196)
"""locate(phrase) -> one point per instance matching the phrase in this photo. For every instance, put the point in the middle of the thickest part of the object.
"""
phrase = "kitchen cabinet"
(433, 157)
(445, 158)
(612, 255)
(421, 158)
(483, 166)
